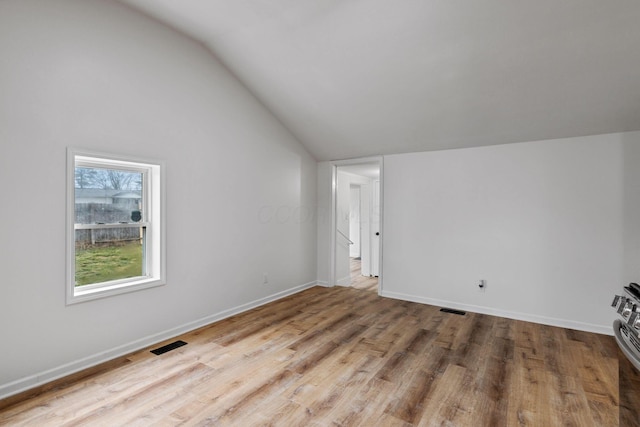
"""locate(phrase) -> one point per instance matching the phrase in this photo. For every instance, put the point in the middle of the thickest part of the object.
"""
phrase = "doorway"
(357, 240)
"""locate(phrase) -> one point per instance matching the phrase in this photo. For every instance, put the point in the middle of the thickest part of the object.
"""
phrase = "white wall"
(631, 203)
(241, 191)
(552, 226)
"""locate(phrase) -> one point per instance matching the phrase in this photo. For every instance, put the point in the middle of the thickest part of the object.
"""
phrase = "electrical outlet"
(482, 285)
(266, 279)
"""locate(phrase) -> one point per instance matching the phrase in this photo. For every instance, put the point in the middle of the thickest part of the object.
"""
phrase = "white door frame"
(355, 220)
(334, 213)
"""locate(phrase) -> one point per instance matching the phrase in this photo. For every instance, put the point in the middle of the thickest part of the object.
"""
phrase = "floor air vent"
(452, 311)
(168, 347)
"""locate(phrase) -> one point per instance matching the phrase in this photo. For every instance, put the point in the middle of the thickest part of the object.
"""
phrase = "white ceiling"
(355, 78)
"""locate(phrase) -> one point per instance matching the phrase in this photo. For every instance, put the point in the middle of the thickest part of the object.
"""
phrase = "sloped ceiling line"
(360, 78)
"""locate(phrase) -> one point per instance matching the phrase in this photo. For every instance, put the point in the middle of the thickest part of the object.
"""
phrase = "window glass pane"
(107, 196)
(108, 258)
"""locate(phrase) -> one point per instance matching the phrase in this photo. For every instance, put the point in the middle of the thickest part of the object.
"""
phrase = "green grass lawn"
(101, 264)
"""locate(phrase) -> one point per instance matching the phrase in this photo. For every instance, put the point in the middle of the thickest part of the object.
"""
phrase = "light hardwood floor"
(358, 281)
(345, 356)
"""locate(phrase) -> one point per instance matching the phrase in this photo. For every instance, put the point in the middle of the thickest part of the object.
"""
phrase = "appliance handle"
(630, 354)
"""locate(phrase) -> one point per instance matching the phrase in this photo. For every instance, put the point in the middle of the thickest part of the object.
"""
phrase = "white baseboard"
(551, 321)
(26, 383)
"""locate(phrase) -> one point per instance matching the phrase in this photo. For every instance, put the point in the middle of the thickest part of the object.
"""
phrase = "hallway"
(358, 281)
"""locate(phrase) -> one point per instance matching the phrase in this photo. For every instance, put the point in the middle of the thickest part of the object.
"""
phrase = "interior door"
(365, 230)
(375, 229)
(355, 227)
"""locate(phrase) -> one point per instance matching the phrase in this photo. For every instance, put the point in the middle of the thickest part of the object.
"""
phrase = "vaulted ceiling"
(354, 78)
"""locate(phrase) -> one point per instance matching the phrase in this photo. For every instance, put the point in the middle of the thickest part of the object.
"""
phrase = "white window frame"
(153, 224)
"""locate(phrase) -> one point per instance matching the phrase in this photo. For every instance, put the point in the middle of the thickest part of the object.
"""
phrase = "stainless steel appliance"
(626, 329)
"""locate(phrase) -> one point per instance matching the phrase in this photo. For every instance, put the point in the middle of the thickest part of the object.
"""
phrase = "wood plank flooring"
(347, 357)
(358, 281)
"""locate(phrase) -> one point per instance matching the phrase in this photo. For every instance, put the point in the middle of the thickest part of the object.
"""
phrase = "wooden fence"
(104, 213)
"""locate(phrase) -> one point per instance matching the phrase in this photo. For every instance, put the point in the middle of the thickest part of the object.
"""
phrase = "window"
(115, 225)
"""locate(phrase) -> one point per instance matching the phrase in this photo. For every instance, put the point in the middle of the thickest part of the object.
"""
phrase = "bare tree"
(85, 177)
(119, 180)
(108, 179)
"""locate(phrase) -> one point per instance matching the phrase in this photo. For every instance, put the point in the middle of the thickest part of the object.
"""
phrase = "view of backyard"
(113, 262)
(105, 197)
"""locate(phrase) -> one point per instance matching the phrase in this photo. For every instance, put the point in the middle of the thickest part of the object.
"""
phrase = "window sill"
(92, 292)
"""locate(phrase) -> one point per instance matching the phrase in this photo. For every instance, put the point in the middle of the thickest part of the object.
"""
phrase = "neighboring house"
(126, 198)
(96, 205)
